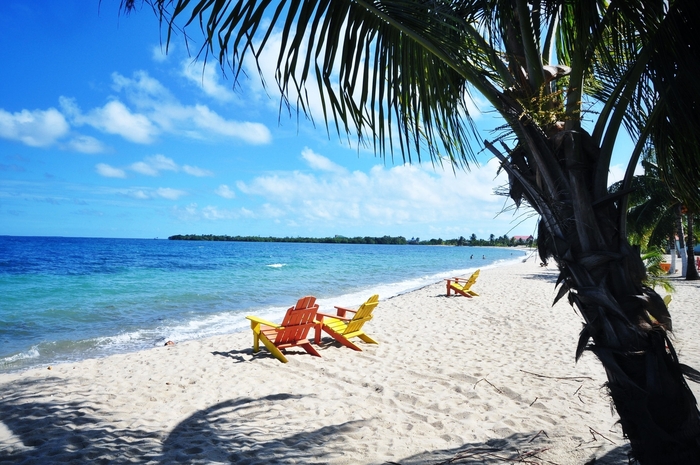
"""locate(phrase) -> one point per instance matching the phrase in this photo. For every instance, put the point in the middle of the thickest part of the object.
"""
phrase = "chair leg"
(309, 349)
(273, 350)
(317, 329)
(340, 338)
(256, 340)
(367, 339)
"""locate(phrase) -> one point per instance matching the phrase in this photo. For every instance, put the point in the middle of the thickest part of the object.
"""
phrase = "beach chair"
(292, 332)
(462, 286)
(342, 328)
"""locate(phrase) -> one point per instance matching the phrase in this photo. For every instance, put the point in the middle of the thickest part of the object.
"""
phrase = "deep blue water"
(66, 299)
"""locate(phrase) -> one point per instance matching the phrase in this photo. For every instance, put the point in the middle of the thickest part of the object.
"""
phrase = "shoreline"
(204, 324)
(449, 376)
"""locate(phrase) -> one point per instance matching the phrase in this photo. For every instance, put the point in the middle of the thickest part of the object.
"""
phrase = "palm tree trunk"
(602, 275)
(672, 251)
(681, 242)
(692, 274)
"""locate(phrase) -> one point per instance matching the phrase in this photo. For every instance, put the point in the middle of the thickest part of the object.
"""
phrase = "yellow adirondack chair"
(342, 328)
(291, 333)
(463, 287)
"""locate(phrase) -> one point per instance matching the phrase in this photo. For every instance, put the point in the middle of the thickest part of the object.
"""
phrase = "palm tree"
(396, 74)
(653, 211)
(691, 270)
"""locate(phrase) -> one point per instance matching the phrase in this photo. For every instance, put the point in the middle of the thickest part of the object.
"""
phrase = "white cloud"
(214, 213)
(38, 128)
(85, 144)
(139, 194)
(167, 114)
(319, 162)
(195, 171)
(144, 168)
(253, 133)
(158, 52)
(143, 90)
(144, 193)
(116, 118)
(193, 213)
(153, 165)
(225, 192)
(400, 195)
(107, 171)
(207, 79)
(168, 193)
(153, 110)
(113, 118)
(188, 213)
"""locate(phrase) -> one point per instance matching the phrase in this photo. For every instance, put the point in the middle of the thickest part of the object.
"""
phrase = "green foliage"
(655, 274)
(398, 240)
(502, 241)
(651, 214)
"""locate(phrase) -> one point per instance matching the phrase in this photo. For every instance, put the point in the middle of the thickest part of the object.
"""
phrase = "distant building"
(522, 239)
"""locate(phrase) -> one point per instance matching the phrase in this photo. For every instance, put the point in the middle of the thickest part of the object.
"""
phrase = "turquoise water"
(66, 299)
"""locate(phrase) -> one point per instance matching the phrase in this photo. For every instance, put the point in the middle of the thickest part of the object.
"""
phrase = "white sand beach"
(487, 379)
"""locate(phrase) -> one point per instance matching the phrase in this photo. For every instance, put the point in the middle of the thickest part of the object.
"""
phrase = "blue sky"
(103, 135)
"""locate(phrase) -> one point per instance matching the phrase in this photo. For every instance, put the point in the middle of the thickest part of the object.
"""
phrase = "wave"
(276, 265)
(32, 353)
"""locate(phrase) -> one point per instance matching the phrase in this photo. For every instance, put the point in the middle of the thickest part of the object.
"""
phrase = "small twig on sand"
(556, 377)
(531, 403)
(484, 379)
(594, 432)
(467, 456)
(577, 390)
(535, 436)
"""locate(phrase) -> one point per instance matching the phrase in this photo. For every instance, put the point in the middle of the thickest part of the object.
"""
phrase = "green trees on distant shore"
(398, 240)
(503, 241)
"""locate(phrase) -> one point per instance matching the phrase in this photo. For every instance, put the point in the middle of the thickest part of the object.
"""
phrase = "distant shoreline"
(386, 240)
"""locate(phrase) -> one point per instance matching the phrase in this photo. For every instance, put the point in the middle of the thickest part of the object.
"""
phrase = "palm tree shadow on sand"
(232, 431)
(44, 431)
(516, 448)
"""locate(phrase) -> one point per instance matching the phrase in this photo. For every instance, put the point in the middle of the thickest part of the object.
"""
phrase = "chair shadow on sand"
(232, 431)
(237, 355)
(247, 354)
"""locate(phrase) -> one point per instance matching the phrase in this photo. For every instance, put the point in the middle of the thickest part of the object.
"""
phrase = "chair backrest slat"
(298, 321)
(363, 314)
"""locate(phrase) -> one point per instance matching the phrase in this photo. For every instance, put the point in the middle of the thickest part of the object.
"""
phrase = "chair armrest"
(321, 315)
(345, 309)
(259, 320)
(342, 310)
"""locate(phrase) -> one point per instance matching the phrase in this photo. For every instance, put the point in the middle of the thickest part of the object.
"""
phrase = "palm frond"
(386, 70)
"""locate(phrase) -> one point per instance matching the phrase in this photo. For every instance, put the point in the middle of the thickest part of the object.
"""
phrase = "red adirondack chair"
(292, 332)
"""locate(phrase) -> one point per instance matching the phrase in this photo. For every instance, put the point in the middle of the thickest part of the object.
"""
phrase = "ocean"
(66, 299)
